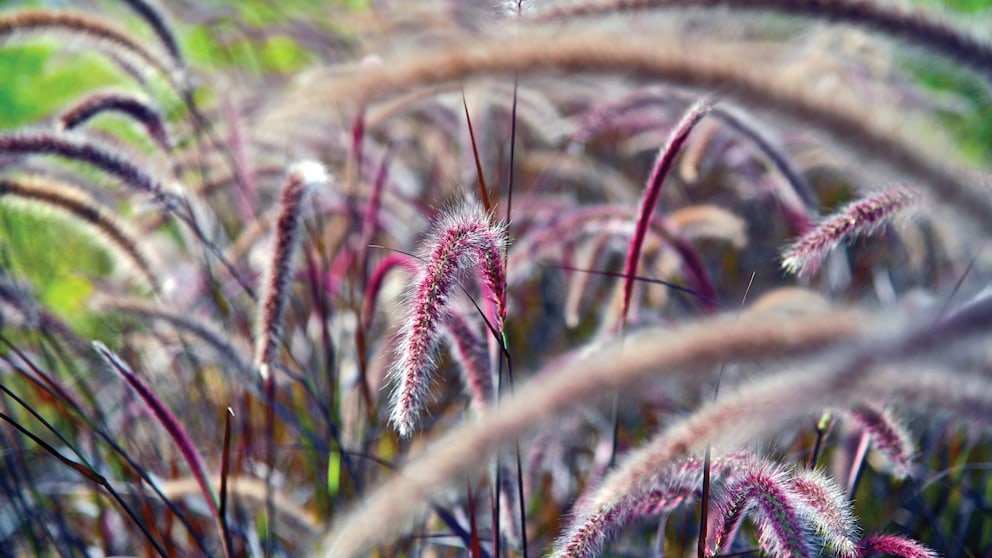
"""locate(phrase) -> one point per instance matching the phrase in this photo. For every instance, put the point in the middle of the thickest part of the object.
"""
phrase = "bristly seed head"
(302, 177)
(463, 240)
(861, 217)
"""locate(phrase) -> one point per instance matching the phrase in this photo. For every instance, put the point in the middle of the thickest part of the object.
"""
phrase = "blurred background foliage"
(244, 40)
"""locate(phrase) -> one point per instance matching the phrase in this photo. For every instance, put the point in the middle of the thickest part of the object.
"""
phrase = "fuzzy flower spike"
(464, 241)
(859, 218)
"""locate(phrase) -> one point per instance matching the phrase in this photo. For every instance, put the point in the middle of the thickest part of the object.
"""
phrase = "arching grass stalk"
(175, 431)
(919, 27)
(666, 159)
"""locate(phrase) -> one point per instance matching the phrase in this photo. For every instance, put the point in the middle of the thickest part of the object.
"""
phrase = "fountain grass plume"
(463, 240)
(858, 218)
(666, 160)
(78, 205)
(830, 510)
(805, 502)
(680, 352)
(760, 489)
(893, 545)
(893, 445)
(87, 152)
(302, 176)
(130, 104)
(471, 352)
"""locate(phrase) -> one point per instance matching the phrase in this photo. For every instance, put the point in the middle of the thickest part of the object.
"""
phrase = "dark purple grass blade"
(225, 467)
(171, 425)
(483, 190)
(666, 159)
(673, 286)
(89, 475)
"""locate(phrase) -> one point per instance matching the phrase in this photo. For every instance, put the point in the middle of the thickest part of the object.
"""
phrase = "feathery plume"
(760, 489)
(77, 204)
(830, 511)
(150, 13)
(302, 177)
(88, 152)
(666, 159)
(124, 102)
(738, 419)
(862, 217)
(598, 521)
(849, 126)
(893, 545)
(471, 353)
(892, 443)
(464, 239)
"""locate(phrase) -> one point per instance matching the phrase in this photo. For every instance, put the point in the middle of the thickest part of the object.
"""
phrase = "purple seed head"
(892, 545)
(893, 444)
(464, 240)
(302, 176)
(761, 490)
(861, 217)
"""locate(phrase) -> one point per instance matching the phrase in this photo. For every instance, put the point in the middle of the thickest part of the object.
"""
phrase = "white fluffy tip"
(311, 172)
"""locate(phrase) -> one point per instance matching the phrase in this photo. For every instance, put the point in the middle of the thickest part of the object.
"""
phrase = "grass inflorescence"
(599, 277)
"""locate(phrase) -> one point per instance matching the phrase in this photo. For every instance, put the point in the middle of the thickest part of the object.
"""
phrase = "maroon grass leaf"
(664, 163)
(861, 217)
(167, 420)
(464, 240)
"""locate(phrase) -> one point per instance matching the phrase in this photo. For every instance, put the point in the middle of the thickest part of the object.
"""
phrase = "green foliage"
(39, 79)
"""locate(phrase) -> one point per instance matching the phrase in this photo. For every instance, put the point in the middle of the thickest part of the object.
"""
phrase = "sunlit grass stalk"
(75, 23)
(78, 205)
(919, 27)
(150, 13)
(738, 419)
(852, 128)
